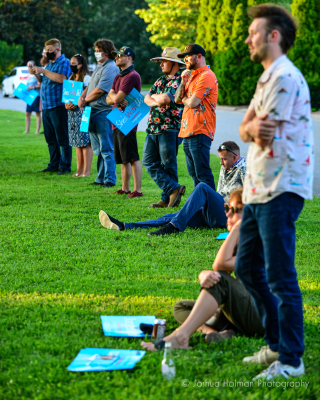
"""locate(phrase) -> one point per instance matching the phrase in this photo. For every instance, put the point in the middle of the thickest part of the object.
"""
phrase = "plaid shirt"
(50, 91)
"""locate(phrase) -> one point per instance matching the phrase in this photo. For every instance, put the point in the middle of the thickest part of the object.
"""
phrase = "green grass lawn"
(60, 270)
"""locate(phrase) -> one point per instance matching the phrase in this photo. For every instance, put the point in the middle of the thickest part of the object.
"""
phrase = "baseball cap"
(192, 49)
(125, 51)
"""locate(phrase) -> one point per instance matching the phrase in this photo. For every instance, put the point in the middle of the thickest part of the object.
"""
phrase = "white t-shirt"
(86, 81)
(288, 164)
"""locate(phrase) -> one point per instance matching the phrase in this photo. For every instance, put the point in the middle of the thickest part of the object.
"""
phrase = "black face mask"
(50, 56)
(74, 69)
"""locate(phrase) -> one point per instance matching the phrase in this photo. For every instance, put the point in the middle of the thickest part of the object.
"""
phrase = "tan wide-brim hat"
(170, 54)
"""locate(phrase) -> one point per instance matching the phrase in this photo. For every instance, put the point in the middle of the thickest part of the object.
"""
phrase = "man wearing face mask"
(100, 128)
(54, 114)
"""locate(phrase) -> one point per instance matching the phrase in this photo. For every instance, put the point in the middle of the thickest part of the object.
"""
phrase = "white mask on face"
(98, 56)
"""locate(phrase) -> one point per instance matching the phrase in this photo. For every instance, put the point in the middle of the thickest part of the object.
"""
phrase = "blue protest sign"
(26, 95)
(84, 127)
(223, 235)
(127, 326)
(71, 91)
(135, 111)
(105, 360)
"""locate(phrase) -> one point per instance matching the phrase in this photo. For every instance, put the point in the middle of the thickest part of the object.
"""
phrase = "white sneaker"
(277, 369)
(264, 356)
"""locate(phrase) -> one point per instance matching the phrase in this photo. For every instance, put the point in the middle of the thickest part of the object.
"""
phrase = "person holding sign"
(80, 140)
(100, 129)
(161, 144)
(33, 84)
(54, 114)
(126, 146)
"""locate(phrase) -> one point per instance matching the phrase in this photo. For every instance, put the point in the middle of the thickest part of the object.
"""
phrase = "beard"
(261, 54)
(44, 61)
(192, 65)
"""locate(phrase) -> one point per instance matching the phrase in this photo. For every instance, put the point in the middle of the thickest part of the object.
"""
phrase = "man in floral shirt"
(279, 177)
(161, 144)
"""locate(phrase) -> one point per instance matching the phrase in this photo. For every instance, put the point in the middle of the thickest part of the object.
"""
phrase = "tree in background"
(171, 22)
(207, 25)
(306, 51)
(10, 56)
(78, 24)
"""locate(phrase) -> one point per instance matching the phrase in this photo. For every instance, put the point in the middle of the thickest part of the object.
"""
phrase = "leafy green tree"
(306, 52)
(171, 22)
(10, 56)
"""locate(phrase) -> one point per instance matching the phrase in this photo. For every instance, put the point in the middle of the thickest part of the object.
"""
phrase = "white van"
(12, 81)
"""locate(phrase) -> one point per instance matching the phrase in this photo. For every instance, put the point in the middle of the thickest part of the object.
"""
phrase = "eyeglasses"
(223, 147)
(233, 210)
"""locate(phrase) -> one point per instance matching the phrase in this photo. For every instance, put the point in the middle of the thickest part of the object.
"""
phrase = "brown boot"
(160, 204)
(175, 196)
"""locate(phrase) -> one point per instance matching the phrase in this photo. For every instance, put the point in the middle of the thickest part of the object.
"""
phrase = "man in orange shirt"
(199, 94)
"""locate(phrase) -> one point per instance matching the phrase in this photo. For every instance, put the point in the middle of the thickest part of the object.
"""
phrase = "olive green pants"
(235, 303)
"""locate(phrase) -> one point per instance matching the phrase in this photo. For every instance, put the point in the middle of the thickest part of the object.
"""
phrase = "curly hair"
(106, 46)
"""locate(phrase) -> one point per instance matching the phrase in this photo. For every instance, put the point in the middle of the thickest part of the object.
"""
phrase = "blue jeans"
(197, 151)
(100, 129)
(55, 126)
(204, 208)
(265, 265)
(160, 160)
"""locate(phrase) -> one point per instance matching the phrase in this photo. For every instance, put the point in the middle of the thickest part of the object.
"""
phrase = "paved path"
(228, 121)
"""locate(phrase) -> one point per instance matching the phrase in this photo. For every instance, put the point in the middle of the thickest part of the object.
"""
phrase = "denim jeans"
(55, 126)
(100, 129)
(203, 208)
(265, 265)
(160, 160)
(197, 151)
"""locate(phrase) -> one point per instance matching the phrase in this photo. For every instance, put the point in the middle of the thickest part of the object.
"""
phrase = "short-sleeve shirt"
(51, 91)
(288, 164)
(166, 117)
(201, 119)
(102, 78)
(32, 81)
(125, 84)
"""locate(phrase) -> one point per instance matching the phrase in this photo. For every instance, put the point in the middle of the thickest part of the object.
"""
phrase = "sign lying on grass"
(84, 127)
(105, 360)
(71, 91)
(223, 235)
(135, 111)
(125, 326)
(28, 96)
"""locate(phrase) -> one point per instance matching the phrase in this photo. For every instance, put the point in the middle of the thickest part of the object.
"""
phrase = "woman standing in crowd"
(80, 140)
(33, 84)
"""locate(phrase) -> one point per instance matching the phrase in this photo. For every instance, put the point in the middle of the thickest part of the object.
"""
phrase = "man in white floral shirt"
(279, 177)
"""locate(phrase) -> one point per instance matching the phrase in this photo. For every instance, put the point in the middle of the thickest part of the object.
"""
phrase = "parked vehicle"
(13, 80)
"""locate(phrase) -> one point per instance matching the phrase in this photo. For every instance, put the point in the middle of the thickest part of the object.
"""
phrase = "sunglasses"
(120, 55)
(233, 210)
(223, 147)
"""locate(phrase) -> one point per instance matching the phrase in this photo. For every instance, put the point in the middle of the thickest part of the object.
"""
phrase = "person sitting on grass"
(203, 208)
(218, 289)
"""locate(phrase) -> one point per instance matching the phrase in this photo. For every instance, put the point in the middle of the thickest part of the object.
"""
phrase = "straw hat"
(169, 53)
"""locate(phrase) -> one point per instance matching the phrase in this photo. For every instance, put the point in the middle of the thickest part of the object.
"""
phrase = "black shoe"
(63, 172)
(110, 223)
(48, 170)
(108, 185)
(165, 230)
(96, 183)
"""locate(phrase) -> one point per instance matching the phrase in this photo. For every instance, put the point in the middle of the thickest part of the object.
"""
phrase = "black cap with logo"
(125, 51)
(192, 49)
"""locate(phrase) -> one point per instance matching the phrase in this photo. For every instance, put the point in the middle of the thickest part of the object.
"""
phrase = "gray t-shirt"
(102, 78)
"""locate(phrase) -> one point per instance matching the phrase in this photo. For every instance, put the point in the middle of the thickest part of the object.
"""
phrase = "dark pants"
(55, 126)
(160, 160)
(197, 151)
(265, 265)
(203, 208)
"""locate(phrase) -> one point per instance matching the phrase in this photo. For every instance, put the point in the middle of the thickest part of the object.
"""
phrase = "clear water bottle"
(168, 368)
